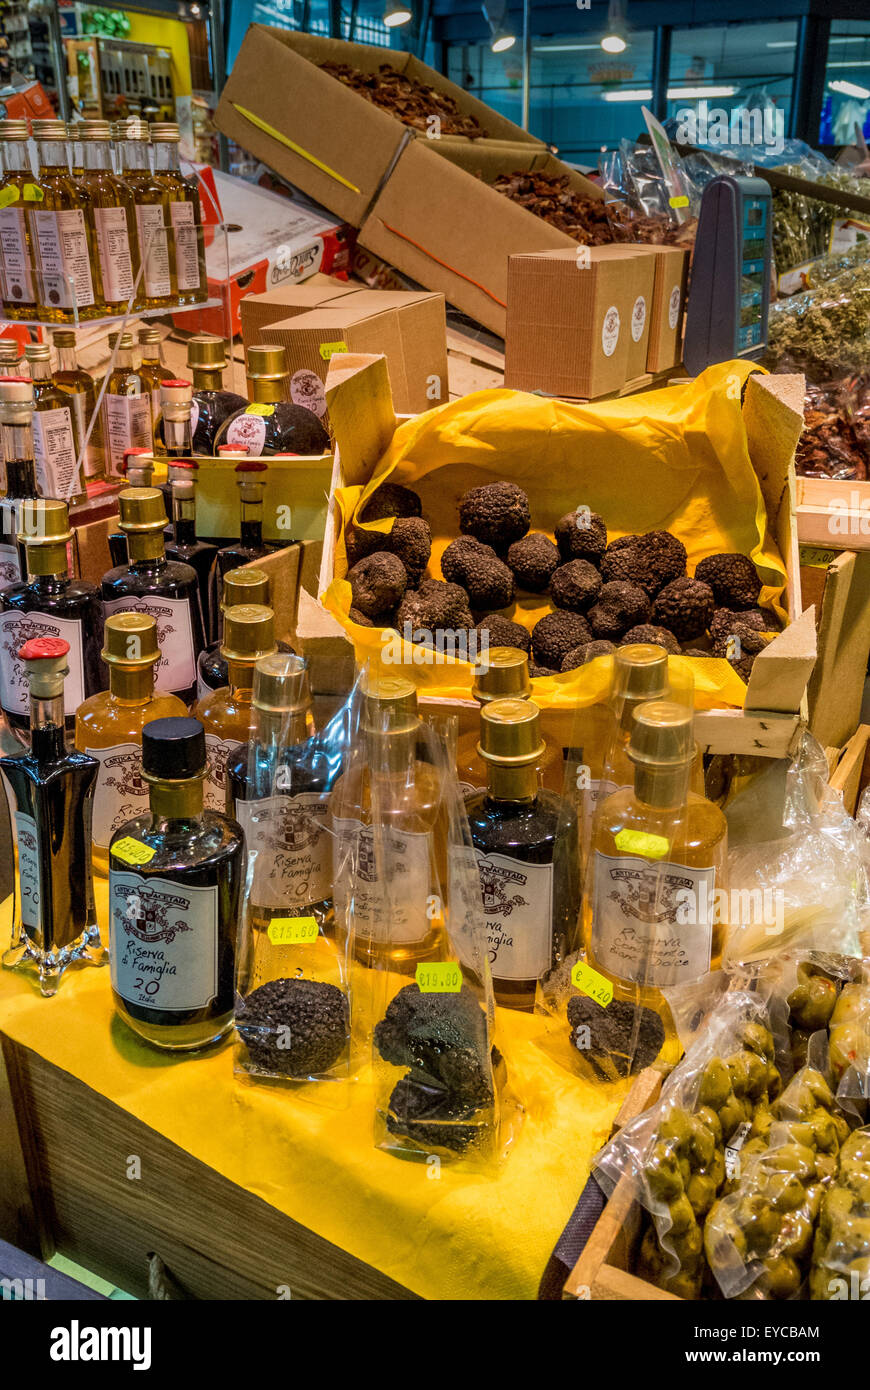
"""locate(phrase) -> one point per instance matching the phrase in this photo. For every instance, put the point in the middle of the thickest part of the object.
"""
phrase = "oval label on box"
(610, 331)
(638, 318)
(674, 308)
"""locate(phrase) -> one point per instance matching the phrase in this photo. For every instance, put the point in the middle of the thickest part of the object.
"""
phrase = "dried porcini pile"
(836, 437)
(590, 221)
(412, 102)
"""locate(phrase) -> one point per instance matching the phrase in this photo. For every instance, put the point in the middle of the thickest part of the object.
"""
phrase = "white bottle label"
(149, 219)
(10, 570)
(293, 848)
(62, 244)
(163, 942)
(218, 753)
(398, 915)
(116, 263)
(127, 426)
(16, 628)
(54, 453)
(247, 432)
(16, 281)
(639, 931)
(120, 793)
(176, 669)
(29, 877)
(518, 908)
(183, 219)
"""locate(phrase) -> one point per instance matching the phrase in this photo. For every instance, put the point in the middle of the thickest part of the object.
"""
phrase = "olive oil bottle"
(60, 221)
(80, 390)
(150, 202)
(113, 217)
(17, 278)
(56, 439)
(154, 374)
(126, 406)
(187, 241)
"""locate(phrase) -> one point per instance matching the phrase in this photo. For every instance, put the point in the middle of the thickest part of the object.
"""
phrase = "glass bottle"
(56, 441)
(150, 200)
(49, 789)
(109, 726)
(176, 397)
(212, 405)
(184, 545)
(175, 880)
(167, 589)
(502, 673)
(154, 374)
(187, 243)
(237, 586)
(61, 233)
(80, 390)
(227, 715)
(251, 482)
(17, 276)
(525, 840)
(16, 423)
(10, 352)
(50, 604)
(126, 406)
(137, 469)
(659, 854)
(114, 218)
(271, 424)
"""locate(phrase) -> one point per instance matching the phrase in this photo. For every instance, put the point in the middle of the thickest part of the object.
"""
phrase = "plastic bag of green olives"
(813, 982)
(849, 1041)
(841, 1253)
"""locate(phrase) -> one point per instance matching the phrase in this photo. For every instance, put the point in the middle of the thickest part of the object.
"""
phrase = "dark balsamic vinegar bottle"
(174, 430)
(50, 792)
(175, 881)
(271, 424)
(238, 586)
(51, 604)
(212, 405)
(184, 546)
(251, 482)
(525, 839)
(16, 422)
(137, 467)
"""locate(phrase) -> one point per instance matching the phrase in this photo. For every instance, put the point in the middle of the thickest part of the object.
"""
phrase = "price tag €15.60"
(293, 931)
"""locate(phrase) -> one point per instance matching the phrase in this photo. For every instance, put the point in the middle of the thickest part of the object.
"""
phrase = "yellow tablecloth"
(460, 1236)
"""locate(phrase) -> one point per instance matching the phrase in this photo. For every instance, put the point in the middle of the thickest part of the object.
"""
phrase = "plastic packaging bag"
(835, 442)
(841, 1256)
(824, 331)
(639, 204)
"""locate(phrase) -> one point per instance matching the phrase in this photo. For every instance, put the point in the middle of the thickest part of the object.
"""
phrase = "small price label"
(8, 196)
(439, 977)
(328, 350)
(132, 851)
(33, 193)
(257, 409)
(643, 843)
(293, 931)
(679, 202)
(598, 987)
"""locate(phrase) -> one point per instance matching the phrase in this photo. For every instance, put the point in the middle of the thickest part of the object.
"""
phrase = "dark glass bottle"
(271, 424)
(50, 791)
(167, 589)
(212, 405)
(184, 545)
(238, 586)
(227, 715)
(525, 838)
(16, 422)
(175, 881)
(51, 604)
(251, 482)
(137, 468)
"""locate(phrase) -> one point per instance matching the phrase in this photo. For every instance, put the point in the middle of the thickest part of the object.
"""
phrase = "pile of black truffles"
(294, 1027)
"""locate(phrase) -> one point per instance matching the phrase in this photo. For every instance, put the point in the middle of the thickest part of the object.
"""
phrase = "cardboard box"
(665, 344)
(642, 269)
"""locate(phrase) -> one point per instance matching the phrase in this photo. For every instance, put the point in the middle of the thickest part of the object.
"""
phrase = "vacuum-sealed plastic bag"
(824, 331)
(841, 1254)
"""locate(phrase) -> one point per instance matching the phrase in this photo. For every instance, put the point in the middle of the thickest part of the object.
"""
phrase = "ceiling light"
(501, 36)
(641, 94)
(691, 93)
(850, 89)
(502, 42)
(615, 40)
(396, 14)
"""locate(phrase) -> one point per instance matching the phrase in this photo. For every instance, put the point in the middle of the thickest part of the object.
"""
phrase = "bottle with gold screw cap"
(113, 217)
(272, 424)
(60, 222)
(502, 673)
(109, 725)
(525, 841)
(132, 139)
(17, 277)
(228, 715)
(10, 355)
(49, 789)
(56, 439)
(244, 585)
(126, 406)
(187, 242)
(211, 405)
(80, 390)
(50, 604)
(167, 589)
(154, 374)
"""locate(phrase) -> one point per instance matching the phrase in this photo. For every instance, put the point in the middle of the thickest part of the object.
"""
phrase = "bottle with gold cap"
(113, 216)
(126, 406)
(658, 859)
(137, 470)
(272, 424)
(51, 604)
(502, 673)
(167, 589)
(16, 427)
(17, 277)
(184, 544)
(211, 405)
(80, 390)
(525, 841)
(60, 221)
(248, 585)
(109, 725)
(251, 483)
(50, 790)
(10, 356)
(187, 242)
(154, 374)
(56, 441)
(228, 715)
(152, 219)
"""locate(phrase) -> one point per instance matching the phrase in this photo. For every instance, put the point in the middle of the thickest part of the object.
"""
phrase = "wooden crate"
(833, 512)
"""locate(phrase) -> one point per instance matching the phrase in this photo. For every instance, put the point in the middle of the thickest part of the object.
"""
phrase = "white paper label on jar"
(163, 942)
(127, 426)
(152, 234)
(218, 752)
(29, 877)
(639, 927)
(288, 834)
(54, 453)
(638, 318)
(176, 669)
(674, 308)
(308, 390)
(64, 259)
(610, 331)
(247, 432)
(121, 793)
(183, 218)
(518, 911)
(16, 628)
(10, 570)
(16, 281)
(116, 263)
(395, 914)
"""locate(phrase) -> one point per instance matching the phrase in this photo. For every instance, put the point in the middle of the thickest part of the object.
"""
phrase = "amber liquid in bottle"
(126, 409)
(62, 235)
(80, 390)
(56, 440)
(187, 239)
(152, 218)
(17, 272)
(113, 219)
(153, 373)
(228, 715)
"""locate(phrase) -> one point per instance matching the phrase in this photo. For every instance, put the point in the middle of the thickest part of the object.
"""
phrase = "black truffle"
(581, 535)
(497, 514)
(430, 1115)
(651, 560)
(410, 539)
(737, 640)
(575, 586)
(377, 583)
(435, 605)
(391, 499)
(725, 620)
(440, 1035)
(620, 606)
(534, 560)
(697, 652)
(622, 1039)
(296, 1027)
(648, 632)
(555, 634)
(485, 578)
(685, 606)
(501, 632)
(733, 579)
(578, 656)
(357, 617)
(535, 670)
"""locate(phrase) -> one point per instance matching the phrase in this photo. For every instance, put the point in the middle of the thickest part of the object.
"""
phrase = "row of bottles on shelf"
(103, 221)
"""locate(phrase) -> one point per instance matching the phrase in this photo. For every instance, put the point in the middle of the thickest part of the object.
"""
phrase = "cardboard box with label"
(665, 343)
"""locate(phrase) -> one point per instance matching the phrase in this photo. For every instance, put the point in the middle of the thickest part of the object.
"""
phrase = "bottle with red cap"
(175, 431)
(50, 790)
(16, 426)
(251, 482)
(183, 545)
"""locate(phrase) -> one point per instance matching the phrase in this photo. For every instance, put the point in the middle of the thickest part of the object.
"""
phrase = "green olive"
(762, 1122)
(663, 1173)
(759, 1222)
(797, 1235)
(715, 1087)
(826, 1166)
(703, 1144)
(701, 1193)
(652, 1258)
(781, 1278)
(677, 1127)
(796, 1158)
(688, 1244)
(756, 1038)
(731, 1114)
(707, 1115)
(784, 1191)
(738, 1070)
(683, 1285)
(682, 1216)
(756, 1069)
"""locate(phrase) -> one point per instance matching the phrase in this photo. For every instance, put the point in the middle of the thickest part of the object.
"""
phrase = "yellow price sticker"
(679, 202)
(257, 409)
(816, 557)
(293, 931)
(33, 193)
(132, 851)
(8, 196)
(438, 977)
(598, 987)
(643, 843)
(328, 350)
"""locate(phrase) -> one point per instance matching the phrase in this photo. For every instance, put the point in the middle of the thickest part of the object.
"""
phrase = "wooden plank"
(851, 772)
(361, 413)
(836, 688)
(22, 1218)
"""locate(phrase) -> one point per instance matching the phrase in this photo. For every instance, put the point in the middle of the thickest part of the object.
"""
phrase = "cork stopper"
(502, 674)
(249, 632)
(206, 351)
(267, 360)
(510, 732)
(281, 684)
(43, 521)
(49, 130)
(175, 400)
(90, 130)
(130, 640)
(661, 735)
(245, 586)
(640, 672)
(63, 337)
(14, 130)
(141, 510)
(47, 665)
(389, 704)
